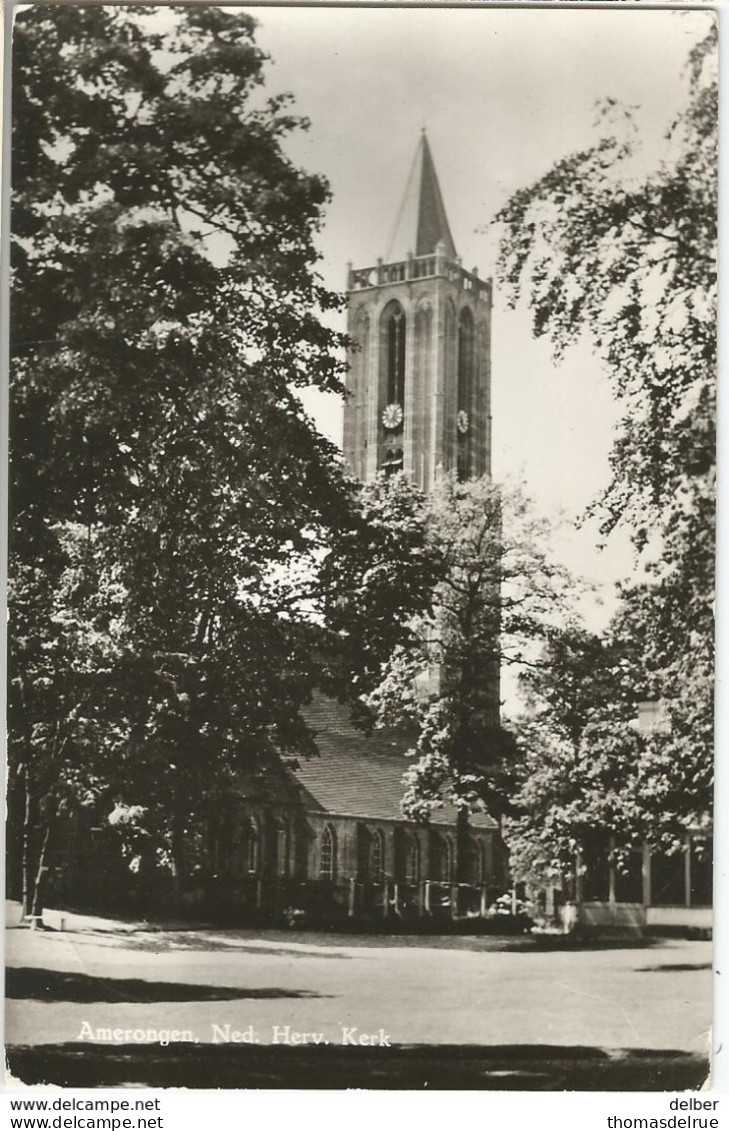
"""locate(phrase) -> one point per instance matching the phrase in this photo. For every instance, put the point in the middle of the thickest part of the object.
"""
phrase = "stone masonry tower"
(420, 383)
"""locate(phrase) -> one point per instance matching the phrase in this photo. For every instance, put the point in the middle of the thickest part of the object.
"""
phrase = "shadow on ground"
(673, 967)
(494, 1068)
(231, 939)
(32, 983)
(203, 943)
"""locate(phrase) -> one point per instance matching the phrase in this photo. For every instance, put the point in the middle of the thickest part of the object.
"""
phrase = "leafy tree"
(586, 770)
(600, 247)
(376, 581)
(577, 747)
(670, 786)
(630, 260)
(169, 496)
(495, 590)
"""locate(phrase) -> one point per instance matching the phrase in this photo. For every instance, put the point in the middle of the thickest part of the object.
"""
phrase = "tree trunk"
(41, 876)
(27, 848)
(179, 858)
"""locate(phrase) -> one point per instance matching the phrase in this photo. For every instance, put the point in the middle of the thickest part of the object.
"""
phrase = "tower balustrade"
(418, 267)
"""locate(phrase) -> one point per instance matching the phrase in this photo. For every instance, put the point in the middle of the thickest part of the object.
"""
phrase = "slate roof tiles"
(360, 775)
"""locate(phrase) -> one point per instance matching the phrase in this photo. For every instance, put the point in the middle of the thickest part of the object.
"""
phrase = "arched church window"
(440, 856)
(282, 847)
(474, 867)
(377, 856)
(411, 860)
(328, 855)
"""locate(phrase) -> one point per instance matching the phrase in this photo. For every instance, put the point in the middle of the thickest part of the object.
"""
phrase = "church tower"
(419, 386)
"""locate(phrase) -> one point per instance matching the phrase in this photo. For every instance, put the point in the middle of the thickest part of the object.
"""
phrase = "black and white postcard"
(361, 555)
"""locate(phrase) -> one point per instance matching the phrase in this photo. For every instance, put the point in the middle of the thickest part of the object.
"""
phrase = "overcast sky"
(503, 93)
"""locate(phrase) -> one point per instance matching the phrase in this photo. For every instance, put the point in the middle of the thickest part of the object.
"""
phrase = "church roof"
(355, 774)
(421, 221)
(360, 775)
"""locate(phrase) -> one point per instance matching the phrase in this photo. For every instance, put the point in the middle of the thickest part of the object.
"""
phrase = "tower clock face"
(462, 422)
(392, 417)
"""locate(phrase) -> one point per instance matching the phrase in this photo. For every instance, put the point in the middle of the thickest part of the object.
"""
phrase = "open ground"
(98, 1007)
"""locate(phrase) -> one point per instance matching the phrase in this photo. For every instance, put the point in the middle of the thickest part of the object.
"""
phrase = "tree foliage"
(585, 768)
(488, 592)
(377, 579)
(577, 748)
(169, 496)
(599, 246)
(604, 247)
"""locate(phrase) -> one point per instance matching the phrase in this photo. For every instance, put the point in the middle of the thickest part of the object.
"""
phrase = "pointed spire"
(421, 221)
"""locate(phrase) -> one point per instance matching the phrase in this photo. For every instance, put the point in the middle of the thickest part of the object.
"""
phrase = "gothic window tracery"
(395, 331)
(393, 345)
(377, 856)
(328, 854)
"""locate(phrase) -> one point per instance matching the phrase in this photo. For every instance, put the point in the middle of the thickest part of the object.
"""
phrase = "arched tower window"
(393, 337)
(450, 386)
(466, 399)
(328, 856)
(394, 321)
(393, 460)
